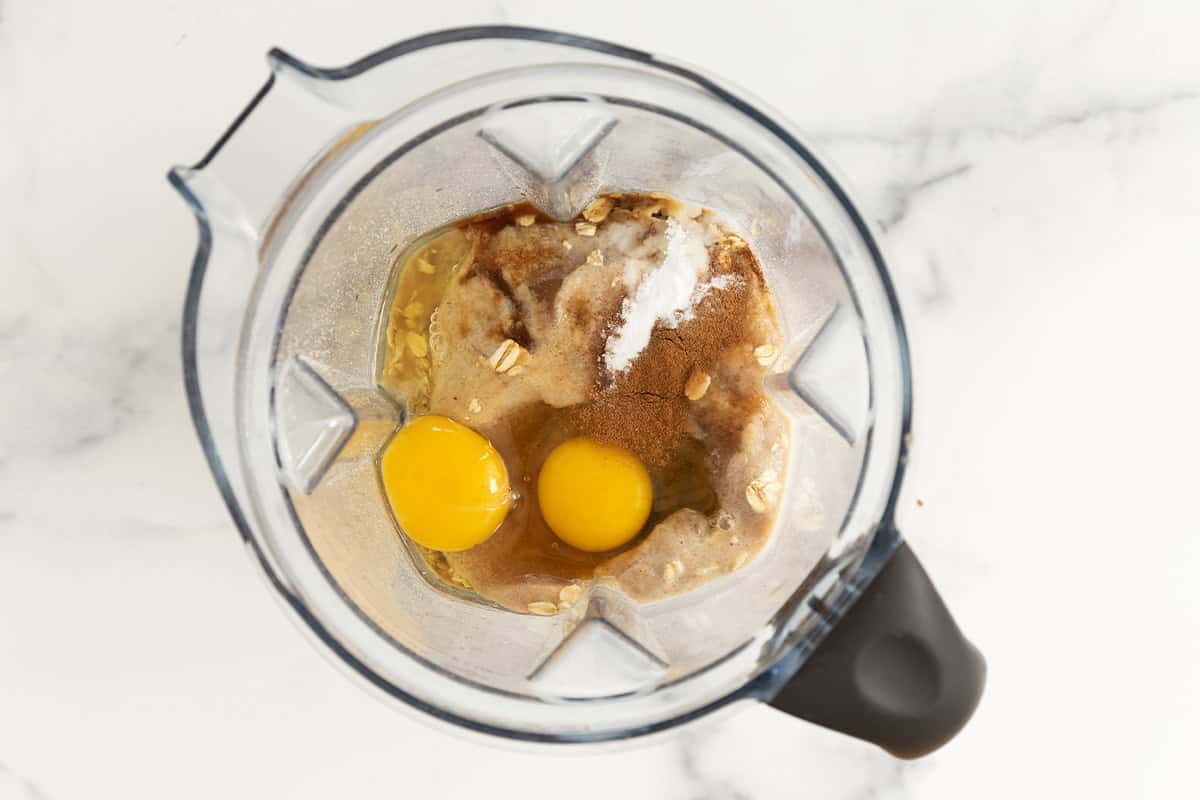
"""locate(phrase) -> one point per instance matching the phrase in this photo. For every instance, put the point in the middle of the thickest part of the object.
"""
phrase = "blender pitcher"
(303, 206)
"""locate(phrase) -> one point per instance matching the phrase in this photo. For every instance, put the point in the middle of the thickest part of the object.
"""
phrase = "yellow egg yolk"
(447, 486)
(593, 496)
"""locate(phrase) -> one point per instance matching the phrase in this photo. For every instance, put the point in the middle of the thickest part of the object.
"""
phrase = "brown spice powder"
(644, 409)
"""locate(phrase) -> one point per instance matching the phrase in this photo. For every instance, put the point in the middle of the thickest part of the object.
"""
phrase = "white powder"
(667, 294)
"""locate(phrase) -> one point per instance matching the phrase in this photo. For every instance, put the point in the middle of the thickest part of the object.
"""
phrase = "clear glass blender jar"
(304, 204)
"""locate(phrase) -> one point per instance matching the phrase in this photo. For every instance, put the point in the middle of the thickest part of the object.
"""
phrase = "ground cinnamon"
(645, 409)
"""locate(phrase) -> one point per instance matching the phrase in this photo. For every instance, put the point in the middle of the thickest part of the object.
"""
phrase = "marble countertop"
(1036, 170)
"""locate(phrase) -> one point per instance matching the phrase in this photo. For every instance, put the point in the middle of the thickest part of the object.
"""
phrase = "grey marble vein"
(892, 783)
(17, 787)
(1092, 25)
(93, 383)
(901, 195)
(14, 327)
(1086, 115)
(920, 135)
(699, 785)
(935, 291)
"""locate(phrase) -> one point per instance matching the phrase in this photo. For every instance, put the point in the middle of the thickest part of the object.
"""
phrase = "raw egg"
(593, 496)
(447, 486)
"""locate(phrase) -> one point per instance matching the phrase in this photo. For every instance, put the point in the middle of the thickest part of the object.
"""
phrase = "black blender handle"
(895, 670)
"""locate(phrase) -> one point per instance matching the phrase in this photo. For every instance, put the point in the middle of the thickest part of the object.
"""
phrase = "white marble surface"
(1036, 167)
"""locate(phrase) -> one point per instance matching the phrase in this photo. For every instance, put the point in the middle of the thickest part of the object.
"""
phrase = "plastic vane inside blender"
(826, 374)
(313, 423)
(551, 149)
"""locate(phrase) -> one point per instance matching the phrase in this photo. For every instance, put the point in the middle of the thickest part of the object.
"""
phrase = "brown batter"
(517, 320)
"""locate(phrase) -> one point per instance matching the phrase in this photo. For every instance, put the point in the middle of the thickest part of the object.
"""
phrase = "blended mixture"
(642, 329)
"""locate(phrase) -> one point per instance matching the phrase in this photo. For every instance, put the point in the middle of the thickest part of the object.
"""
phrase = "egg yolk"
(593, 496)
(447, 486)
